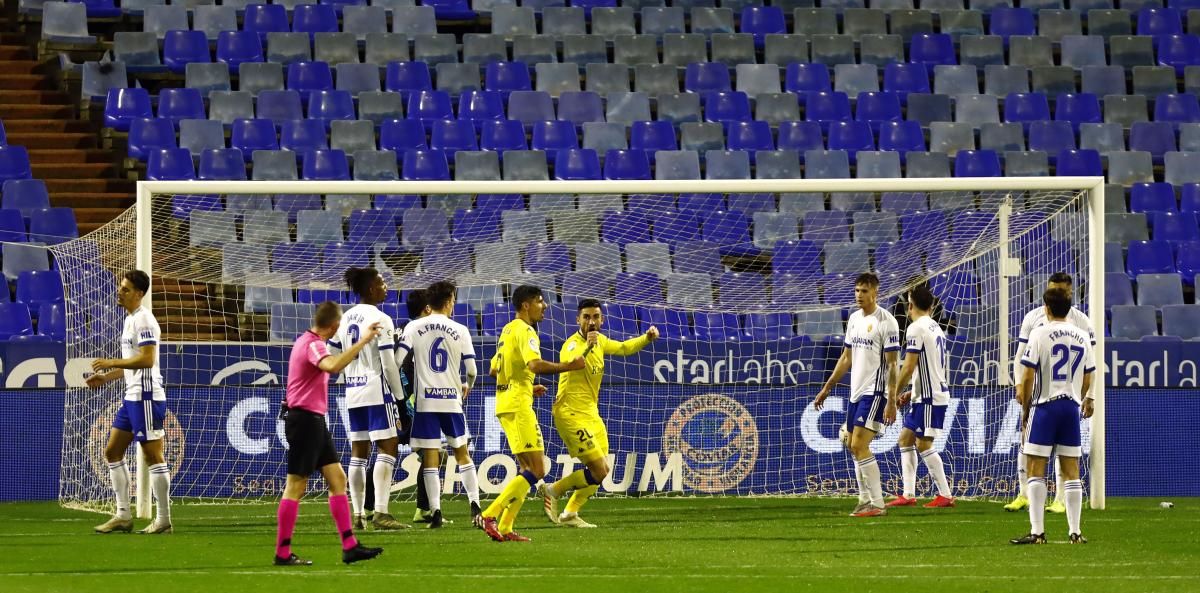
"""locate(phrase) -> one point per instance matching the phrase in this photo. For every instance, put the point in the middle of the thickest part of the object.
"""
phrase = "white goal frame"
(1009, 267)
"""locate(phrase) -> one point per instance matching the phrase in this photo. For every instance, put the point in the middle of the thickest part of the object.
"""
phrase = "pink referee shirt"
(307, 384)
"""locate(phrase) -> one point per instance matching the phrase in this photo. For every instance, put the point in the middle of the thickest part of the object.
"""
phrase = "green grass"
(658, 544)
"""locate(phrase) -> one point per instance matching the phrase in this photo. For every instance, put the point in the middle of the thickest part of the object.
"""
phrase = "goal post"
(674, 411)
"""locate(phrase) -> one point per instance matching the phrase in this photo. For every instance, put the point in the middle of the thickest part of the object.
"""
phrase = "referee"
(310, 443)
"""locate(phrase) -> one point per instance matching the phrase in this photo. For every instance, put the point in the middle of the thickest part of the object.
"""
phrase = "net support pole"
(1095, 210)
(1007, 266)
(142, 504)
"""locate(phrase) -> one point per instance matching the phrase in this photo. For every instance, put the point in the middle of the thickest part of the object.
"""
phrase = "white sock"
(357, 476)
(870, 472)
(1035, 490)
(908, 471)
(470, 481)
(385, 468)
(864, 495)
(1022, 475)
(1059, 483)
(119, 474)
(933, 463)
(160, 483)
(1074, 500)
(433, 487)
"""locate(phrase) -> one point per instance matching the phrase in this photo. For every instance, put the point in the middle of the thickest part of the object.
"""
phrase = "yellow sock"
(517, 489)
(510, 514)
(580, 498)
(575, 481)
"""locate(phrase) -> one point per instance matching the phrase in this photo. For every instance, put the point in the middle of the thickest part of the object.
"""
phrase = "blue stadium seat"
(314, 18)
(923, 227)
(762, 21)
(624, 227)
(25, 195)
(123, 105)
(372, 226)
(330, 105)
(827, 107)
(580, 107)
(279, 106)
(727, 107)
(1177, 108)
(478, 105)
(626, 164)
(52, 226)
(769, 326)
(1051, 137)
(325, 165)
(1182, 321)
(301, 135)
(1175, 227)
(1178, 51)
(1187, 260)
(701, 203)
(1024, 108)
(807, 78)
(1007, 22)
(309, 76)
(1156, 138)
(901, 137)
(495, 316)
(750, 204)
(903, 202)
(476, 226)
(530, 106)
(932, 49)
(428, 106)
(265, 18)
(977, 163)
(547, 258)
(1078, 108)
(851, 136)
(1117, 289)
(407, 77)
(1132, 322)
(222, 164)
(675, 227)
(651, 136)
(14, 320)
(581, 164)
(1152, 197)
(1158, 290)
(801, 136)
(905, 78)
(12, 226)
(552, 136)
(730, 230)
(249, 135)
(397, 202)
(1081, 163)
(183, 47)
(877, 108)
(587, 284)
(872, 227)
(501, 135)
(507, 77)
(650, 203)
(238, 47)
(170, 164)
(423, 226)
(639, 288)
(706, 77)
(826, 226)
(402, 135)
(179, 104)
(1159, 21)
(146, 134)
(716, 327)
(451, 135)
(425, 165)
(52, 321)
(672, 324)
(1149, 257)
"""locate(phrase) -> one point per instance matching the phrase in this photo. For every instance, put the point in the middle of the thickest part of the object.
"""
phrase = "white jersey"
(141, 329)
(365, 384)
(438, 345)
(1061, 354)
(1036, 318)
(926, 339)
(869, 337)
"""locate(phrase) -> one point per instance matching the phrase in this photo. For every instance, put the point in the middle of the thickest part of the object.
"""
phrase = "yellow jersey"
(579, 391)
(518, 345)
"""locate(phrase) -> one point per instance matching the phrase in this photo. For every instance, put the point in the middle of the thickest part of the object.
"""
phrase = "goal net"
(749, 283)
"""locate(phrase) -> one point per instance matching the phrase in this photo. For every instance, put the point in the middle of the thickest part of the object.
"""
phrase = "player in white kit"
(372, 385)
(924, 365)
(143, 407)
(1034, 319)
(439, 347)
(1055, 390)
(871, 347)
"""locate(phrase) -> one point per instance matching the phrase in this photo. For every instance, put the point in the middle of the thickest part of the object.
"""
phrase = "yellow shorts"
(522, 430)
(584, 435)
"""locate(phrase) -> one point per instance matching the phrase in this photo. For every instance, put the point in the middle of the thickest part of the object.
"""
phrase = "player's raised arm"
(335, 363)
(630, 346)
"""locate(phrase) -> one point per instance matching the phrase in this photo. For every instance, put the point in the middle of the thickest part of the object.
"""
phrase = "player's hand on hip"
(96, 380)
(652, 333)
(1088, 408)
(889, 413)
(539, 390)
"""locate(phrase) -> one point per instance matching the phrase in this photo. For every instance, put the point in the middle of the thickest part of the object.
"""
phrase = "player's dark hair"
(360, 280)
(1059, 302)
(439, 293)
(326, 314)
(1061, 278)
(416, 303)
(588, 304)
(921, 297)
(139, 280)
(867, 279)
(524, 294)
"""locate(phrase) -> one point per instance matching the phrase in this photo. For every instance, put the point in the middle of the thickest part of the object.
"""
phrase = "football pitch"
(646, 544)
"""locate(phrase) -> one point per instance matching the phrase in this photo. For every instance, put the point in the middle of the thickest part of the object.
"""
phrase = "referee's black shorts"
(310, 444)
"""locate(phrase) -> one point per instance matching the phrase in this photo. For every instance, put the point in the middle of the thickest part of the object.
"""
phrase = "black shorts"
(310, 444)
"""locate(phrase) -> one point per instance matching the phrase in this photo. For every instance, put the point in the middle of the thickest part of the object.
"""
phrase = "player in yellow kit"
(518, 358)
(577, 412)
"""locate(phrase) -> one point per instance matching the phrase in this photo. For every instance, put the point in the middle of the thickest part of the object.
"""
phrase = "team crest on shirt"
(718, 440)
(870, 328)
(174, 443)
(571, 347)
(533, 343)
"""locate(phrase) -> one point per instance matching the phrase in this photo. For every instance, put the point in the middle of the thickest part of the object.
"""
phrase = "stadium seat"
(851, 137)
(12, 226)
(552, 136)
(1051, 137)
(170, 164)
(325, 165)
(451, 136)
(725, 107)
(580, 107)
(302, 135)
(769, 326)
(24, 195)
(1152, 197)
(222, 164)
(235, 48)
(530, 106)
(1149, 257)
(146, 134)
(706, 77)
(827, 107)
(309, 76)
(159, 19)
(1176, 108)
(279, 106)
(1007, 22)
(1080, 163)
(717, 327)
(265, 18)
(677, 164)
(424, 165)
(1133, 322)
(1159, 21)
(183, 47)
(877, 108)
(138, 51)
(807, 78)
(762, 21)
(1159, 290)
(906, 78)
(98, 79)
(737, 289)
(801, 136)
(1077, 109)
(14, 318)
(626, 164)
(976, 163)
(274, 165)
(249, 135)
(289, 320)
(123, 105)
(932, 49)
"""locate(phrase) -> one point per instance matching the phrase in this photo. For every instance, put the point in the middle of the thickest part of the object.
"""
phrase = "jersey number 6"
(439, 359)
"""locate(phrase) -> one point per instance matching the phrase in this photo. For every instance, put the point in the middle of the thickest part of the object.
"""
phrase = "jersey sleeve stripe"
(385, 346)
(892, 349)
(404, 346)
(466, 356)
(147, 342)
(1032, 365)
